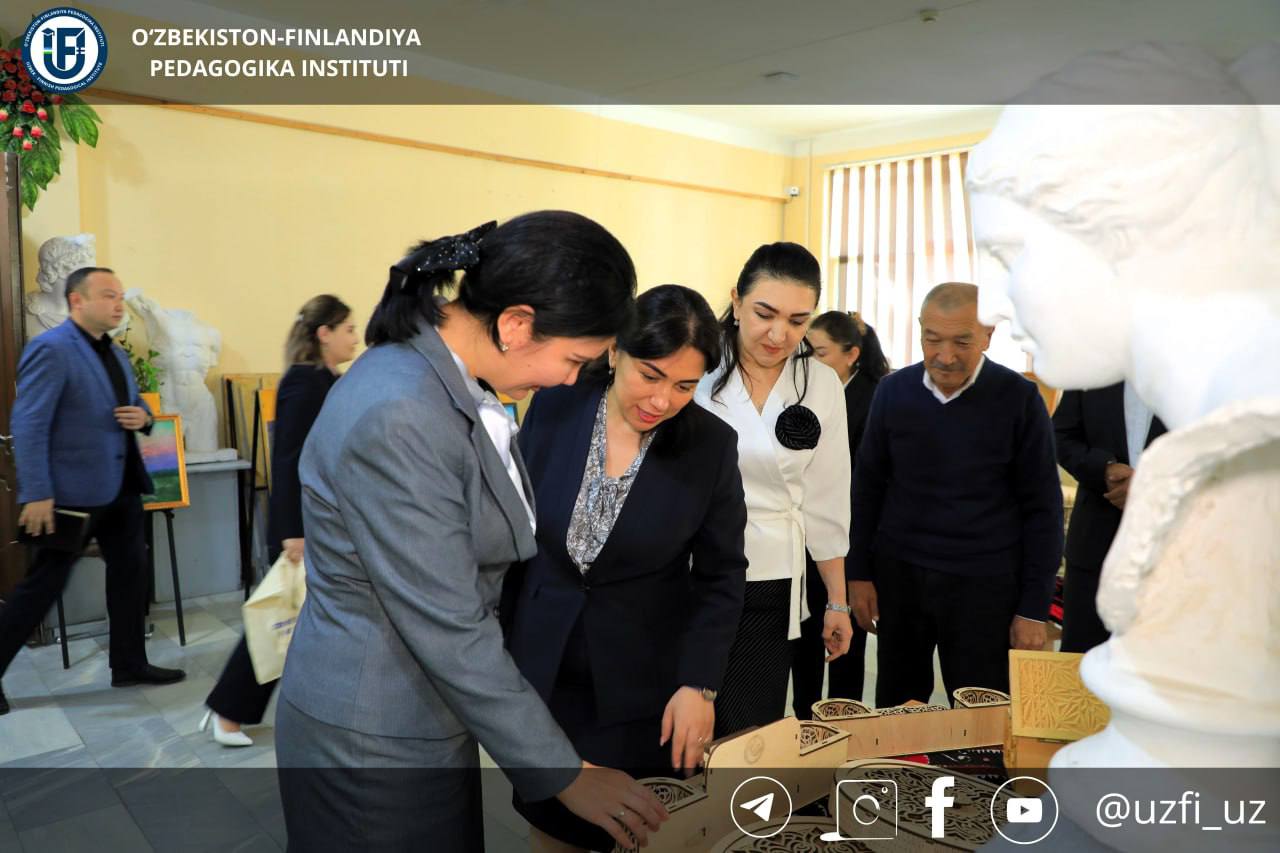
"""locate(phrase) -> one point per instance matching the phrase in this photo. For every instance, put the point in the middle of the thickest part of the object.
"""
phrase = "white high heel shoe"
(210, 721)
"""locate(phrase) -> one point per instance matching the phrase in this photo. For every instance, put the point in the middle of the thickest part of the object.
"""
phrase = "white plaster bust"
(59, 257)
(188, 349)
(1140, 243)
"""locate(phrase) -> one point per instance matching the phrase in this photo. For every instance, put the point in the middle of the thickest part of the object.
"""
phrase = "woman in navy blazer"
(624, 619)
(322, 338)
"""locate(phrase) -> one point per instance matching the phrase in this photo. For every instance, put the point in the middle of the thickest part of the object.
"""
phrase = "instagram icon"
(865, 810)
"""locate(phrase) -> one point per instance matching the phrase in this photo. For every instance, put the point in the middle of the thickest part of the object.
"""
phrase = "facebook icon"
(938, 802)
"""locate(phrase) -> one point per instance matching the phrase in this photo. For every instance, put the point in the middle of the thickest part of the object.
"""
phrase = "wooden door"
(12, 336)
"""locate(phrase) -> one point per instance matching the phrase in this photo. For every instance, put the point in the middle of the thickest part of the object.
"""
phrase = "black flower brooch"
(798, 428)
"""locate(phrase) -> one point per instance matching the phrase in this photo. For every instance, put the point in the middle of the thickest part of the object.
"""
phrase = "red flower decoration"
(17, 131)
(42, 114)
(37, 132)
(28, 107)
(37, 96)
(9, 96)
(27, 145)
(57, 99)
(11, 67)
(11, 83)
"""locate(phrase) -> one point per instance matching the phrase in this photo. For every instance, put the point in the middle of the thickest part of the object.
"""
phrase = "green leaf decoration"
(40, 165)
(29, 194)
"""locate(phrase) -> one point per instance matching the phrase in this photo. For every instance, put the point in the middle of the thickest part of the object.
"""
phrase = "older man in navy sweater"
(957, 511)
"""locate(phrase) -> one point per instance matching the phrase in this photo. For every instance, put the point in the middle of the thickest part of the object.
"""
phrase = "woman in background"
(624, 619)
(323, 338)
(793, 452)
(851, 348)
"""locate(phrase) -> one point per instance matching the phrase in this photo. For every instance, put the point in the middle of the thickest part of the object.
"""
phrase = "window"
(894, 229)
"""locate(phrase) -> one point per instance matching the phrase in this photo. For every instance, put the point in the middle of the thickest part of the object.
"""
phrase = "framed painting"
(511, 407)
(241, 399)
(162, 455)
(265, 422)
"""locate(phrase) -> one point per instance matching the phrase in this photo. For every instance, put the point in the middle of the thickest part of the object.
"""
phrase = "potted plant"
(30, 119)
(146, 373)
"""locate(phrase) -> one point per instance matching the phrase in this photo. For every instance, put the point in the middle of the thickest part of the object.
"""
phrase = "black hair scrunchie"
(798, 428)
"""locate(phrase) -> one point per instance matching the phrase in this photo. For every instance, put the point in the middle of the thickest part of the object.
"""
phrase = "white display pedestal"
(208, 546)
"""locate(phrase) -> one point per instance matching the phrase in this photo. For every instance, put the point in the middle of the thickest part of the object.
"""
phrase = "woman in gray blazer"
(415, 501)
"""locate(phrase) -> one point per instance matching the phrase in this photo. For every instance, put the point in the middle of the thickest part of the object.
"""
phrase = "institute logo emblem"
(64, 49)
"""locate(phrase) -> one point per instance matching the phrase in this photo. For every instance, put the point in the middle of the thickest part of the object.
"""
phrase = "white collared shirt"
(943, 398)
(501, 429)
(1137, 423)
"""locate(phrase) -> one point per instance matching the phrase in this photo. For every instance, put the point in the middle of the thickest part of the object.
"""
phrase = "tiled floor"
(68, 726)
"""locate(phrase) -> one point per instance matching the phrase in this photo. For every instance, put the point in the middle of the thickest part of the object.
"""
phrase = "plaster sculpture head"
(1121, 239)
(61, 256)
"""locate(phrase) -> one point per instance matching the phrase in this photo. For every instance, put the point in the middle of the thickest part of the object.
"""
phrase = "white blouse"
(501, 429)
(795, 498)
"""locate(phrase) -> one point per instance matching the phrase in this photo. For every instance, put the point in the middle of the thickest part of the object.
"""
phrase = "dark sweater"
(968, 488)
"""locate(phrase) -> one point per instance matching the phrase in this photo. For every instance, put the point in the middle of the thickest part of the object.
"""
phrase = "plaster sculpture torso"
(1139, 243)
(188, 349)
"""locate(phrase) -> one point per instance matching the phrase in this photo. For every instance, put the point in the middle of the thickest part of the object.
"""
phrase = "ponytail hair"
(303, 344)
(849, 331)
(575, 275)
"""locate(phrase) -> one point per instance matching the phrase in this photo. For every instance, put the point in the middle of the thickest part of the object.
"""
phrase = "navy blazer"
(299, 399)
(662, 601)
(67, 443)
(1090, 432)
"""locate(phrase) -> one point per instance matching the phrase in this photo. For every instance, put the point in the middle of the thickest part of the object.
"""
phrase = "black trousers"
(844, 675)
(118, 529)
(1082, 628)
(966, 618)
(238, 696)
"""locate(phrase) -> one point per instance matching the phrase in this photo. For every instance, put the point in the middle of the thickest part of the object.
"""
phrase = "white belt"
(799, 608)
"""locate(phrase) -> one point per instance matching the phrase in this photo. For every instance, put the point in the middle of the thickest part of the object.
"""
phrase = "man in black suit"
(1100, 435)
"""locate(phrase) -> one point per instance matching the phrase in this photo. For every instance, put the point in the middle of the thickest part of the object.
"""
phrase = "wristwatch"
(839, 608)
(707, 693)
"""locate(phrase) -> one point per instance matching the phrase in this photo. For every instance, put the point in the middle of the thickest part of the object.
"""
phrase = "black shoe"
(4, 703)
(147, 675)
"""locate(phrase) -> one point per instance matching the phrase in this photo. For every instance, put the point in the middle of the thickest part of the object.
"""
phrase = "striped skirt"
(755, 682)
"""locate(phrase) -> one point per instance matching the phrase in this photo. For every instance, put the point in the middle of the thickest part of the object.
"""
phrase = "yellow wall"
(242, 221)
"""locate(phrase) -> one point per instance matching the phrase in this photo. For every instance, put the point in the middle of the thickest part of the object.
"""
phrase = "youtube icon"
(1025, 810)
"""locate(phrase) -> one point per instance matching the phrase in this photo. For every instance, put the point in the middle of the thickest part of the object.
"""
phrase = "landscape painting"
(163, 457)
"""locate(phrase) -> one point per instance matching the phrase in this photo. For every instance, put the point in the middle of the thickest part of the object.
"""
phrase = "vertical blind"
(894, 229)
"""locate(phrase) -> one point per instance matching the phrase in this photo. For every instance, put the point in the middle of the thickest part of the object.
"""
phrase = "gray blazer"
(411, 522)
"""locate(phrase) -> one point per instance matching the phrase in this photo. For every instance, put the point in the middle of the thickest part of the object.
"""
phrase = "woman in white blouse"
(793, 452)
